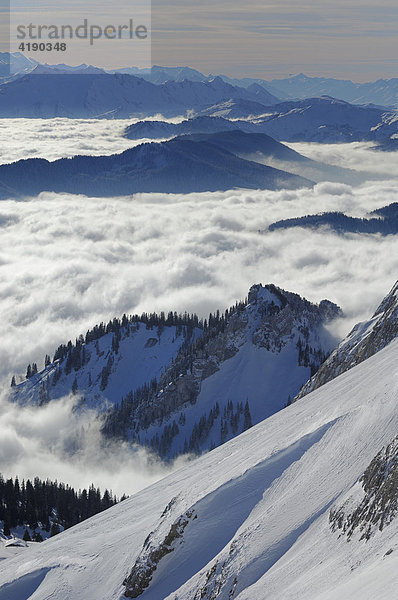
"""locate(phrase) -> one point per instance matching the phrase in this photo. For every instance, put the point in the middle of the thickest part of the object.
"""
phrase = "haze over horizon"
(264, 40)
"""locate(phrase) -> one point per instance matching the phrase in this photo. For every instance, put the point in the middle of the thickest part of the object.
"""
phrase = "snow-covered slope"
(319, 119)
(191, 387)
(363, 341)
(322, 119)
(103, 369)
(248, 521)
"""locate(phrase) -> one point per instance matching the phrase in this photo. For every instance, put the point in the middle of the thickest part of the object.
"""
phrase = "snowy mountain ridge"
(63, 92)
(322, 119)
(179, 385)
(363, 341)
(383, 92)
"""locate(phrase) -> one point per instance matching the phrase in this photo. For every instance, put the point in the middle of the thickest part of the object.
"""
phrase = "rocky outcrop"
(364, 340)
(378, 505)
(271, 321)
(271, 318)
(151, 554)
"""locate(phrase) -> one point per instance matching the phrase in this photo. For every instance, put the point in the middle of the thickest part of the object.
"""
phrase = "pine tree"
(26, 536)
(13, 382)
(6, 528)
(55, 530)
(247, 423)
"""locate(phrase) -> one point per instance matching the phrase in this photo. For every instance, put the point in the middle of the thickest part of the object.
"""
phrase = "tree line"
(48, 505)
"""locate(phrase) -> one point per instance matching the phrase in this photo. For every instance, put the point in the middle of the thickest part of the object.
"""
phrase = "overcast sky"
(356, 40)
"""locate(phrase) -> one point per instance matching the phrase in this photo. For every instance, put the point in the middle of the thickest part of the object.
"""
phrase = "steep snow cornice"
(363, 341)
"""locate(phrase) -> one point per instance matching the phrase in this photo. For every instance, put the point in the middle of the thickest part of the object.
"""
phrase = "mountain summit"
(177, 384)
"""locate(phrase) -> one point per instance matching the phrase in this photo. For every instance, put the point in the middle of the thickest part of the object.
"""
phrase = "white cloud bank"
(62, 138)
(57, 442)
(68, 262)
(358, 156)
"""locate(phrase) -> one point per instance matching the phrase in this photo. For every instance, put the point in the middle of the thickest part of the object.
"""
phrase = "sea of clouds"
(63, 138)
(68, 262)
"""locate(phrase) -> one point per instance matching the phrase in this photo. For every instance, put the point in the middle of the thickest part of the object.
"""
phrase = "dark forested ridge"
(48, 506)
(177, 166)
(384, 221)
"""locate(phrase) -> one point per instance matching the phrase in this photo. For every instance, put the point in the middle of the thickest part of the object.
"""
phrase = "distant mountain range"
(49, 92)
(324, 120)
(181, 165)
(316, 120)
(383, 92)
(308, 112)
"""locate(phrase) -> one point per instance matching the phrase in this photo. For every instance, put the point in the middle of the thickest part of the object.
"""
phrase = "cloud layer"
(63, 138)
(68, 262)
(358, 156)
(58, 442)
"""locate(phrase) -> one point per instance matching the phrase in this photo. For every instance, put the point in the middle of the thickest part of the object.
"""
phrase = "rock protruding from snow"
(152, 553)
(365, 339)
(379, 503)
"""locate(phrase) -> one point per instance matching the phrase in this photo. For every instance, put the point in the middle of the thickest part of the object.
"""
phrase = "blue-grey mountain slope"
(177, 166)
(49, 92)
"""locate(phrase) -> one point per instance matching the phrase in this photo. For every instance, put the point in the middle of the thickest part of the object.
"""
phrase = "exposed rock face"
(364, 340)
(151, 554)
(270, 319)
(379, 503)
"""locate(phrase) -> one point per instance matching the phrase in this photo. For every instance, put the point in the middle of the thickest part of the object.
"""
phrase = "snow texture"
(261, 504)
